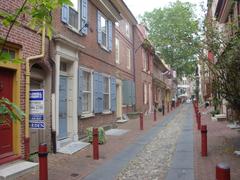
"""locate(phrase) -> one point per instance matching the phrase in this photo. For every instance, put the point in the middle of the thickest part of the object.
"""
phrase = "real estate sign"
(36, 117)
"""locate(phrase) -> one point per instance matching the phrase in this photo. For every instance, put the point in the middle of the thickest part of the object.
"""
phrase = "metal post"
(43, 163)
(95, 144)
(222, 171)
(141, 121)
(155, 115)
(204, 140)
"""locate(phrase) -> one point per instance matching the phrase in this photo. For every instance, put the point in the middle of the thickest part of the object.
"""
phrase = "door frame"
(16, 126)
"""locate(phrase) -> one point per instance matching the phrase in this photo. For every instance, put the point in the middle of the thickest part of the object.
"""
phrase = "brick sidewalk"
(222, 142)
(80, 164)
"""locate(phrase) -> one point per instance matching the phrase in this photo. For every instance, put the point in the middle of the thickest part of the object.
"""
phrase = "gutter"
(27, 89)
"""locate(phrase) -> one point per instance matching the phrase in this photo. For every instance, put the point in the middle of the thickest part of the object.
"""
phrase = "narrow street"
(165, 152)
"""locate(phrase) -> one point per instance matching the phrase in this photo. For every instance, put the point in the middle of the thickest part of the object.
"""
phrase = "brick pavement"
(222, 142)
(80, 164)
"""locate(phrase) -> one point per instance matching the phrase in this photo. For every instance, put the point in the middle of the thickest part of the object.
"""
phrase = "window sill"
(74, 30)
(105, 48)
(107, 112)
(87, 115)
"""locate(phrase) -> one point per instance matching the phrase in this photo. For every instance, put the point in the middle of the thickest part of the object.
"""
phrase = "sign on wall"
(36, 117)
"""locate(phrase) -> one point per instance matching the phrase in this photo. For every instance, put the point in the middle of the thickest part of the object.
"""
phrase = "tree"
(38, 13)
(174, 32)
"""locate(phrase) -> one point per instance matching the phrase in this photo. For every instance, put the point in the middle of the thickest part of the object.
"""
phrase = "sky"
(140, 6)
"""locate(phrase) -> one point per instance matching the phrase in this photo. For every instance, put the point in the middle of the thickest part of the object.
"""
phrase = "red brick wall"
(28, 43)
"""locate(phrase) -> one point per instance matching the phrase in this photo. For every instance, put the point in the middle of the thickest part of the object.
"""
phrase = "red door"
(6, 87)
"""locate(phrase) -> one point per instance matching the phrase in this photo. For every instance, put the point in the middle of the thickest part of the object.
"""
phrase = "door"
(63, 107)
(6, 89)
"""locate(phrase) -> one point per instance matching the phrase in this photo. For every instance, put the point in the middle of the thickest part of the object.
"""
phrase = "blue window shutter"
(95, 92)
(99, 32)
(100, 92)
(84, 15)
(113, 94)
(133, 98)
(65, 13)
(110, 35)
(125, 92)
(80, 91)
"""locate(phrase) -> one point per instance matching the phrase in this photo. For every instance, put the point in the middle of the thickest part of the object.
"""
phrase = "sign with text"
(36, 117)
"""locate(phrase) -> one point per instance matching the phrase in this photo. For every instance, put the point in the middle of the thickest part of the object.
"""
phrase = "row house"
(85, 76)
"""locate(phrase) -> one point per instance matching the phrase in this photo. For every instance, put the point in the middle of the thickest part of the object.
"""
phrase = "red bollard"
(141, 121)
(95, 144)
(43, 163)
(204, 140)
(155, 115)
(199, 120)
(222, 171)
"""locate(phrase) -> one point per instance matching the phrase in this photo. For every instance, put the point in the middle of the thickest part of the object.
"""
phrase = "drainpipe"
(27, 89)
(134, 68)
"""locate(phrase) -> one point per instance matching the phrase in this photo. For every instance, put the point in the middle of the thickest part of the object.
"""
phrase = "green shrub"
(214, 112)
(101, 135)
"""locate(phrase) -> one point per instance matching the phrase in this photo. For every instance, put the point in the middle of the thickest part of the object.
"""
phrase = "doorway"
(6, 127)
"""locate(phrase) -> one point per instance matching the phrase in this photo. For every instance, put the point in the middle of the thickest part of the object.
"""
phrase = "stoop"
(15, 169)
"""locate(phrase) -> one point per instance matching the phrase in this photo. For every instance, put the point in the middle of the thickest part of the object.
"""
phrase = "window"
(145, 97)
(73, 14)
(106, 94)
(104, 31)
(76, 15)
(117, 48)
(9, 52)
(87, 92)
(145, 61)
(127, 30)
(128, 58)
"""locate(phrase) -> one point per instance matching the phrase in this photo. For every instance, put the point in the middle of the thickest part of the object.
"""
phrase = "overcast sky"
(140, 6)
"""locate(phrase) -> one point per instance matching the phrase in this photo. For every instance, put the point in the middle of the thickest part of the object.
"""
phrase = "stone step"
(15, 169)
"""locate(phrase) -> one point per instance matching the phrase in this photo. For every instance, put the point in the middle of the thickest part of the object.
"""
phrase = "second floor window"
(145, 61)
(104, 28)
(128, 58)
(117, 48)
(75, 16)
(127, 30)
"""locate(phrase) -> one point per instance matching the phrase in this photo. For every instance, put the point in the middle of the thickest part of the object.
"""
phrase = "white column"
(75, 98)
(57, 76)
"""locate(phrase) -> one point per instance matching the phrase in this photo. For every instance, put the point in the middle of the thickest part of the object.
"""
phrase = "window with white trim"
(128, 58)
(74, 12)
(127, 28)
(87, 92)
(117, 48)
(145, 95)
(145, 61)
(104, 31)
(106, 93)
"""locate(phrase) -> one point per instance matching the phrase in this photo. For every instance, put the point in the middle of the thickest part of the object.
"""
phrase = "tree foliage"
(174, 32)
(226, 67)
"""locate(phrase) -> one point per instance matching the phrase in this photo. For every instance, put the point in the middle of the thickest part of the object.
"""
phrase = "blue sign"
(37, 125)
(36, 116)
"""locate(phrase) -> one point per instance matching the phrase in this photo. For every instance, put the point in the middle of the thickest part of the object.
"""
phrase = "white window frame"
(128, 58)
(91, 91)
(145, 59)
(117, 53)
(107, 33)
(109, 94)
(79, 17)
(127, 28)
(145, 94)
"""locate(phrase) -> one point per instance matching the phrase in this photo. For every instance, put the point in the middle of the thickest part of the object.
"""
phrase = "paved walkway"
(151, 155)
(80, 164)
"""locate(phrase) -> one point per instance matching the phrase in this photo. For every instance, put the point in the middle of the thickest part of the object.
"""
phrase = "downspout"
(134, 68)
(27, 89)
